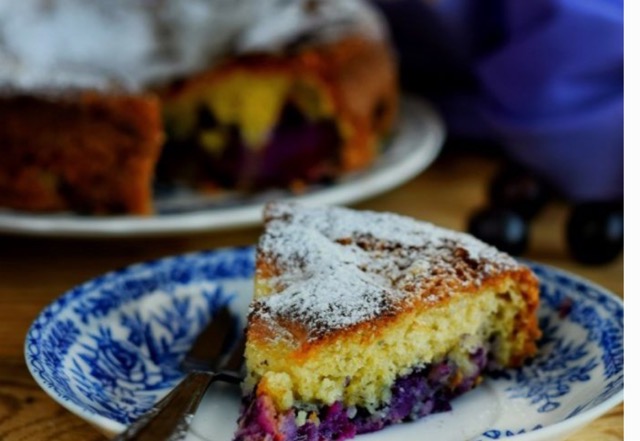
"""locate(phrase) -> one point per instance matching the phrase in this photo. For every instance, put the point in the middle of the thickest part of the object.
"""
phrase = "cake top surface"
(47, 45)
(329, 268)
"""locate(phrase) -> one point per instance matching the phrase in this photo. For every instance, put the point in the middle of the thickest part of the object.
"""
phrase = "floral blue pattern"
(566, 360)
(128, 356)
(111, 347)
(498, 434)
(561, 363)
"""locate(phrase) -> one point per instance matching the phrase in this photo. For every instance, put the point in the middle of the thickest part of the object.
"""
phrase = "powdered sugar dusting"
(309, 302)
(135, 44)
(278, 24)
(96, 43)
(337, 267)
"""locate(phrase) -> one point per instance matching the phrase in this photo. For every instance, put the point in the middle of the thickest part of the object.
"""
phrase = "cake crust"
(79, 151)
(420, 274)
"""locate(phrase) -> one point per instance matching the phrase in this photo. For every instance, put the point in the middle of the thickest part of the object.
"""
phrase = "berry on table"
(519, 190)
(501, 227)
(595, 232)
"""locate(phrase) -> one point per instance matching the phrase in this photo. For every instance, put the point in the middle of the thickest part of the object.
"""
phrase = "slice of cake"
(363, 319)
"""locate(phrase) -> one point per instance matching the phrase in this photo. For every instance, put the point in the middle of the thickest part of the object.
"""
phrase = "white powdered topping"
(49, 44)
(95, 43)
(281, 23)
(332, 295)
(325, 281)
(339, 267)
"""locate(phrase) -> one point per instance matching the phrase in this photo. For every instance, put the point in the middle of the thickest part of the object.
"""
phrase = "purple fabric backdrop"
(544, 78)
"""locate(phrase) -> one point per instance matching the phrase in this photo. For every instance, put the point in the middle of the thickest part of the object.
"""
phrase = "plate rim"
(576, 422)
(111, 427)
(105, 425)
(361, 186)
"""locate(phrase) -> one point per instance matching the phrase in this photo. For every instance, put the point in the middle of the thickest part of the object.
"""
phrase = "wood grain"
(34, 271)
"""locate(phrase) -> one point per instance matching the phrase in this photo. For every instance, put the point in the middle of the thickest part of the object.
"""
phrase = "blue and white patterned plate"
(111, 347)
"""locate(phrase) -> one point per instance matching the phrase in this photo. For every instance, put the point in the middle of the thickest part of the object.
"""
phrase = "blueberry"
(501, 227)
(595, 232)
(519, 190)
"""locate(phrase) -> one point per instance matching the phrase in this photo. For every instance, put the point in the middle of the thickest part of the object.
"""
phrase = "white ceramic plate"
(412, 149)
(110, 348)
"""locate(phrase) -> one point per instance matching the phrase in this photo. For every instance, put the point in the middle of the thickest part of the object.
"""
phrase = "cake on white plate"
(101, 98)
(362, 319)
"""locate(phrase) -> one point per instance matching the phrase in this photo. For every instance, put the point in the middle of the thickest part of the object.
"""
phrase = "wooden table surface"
(34, 271)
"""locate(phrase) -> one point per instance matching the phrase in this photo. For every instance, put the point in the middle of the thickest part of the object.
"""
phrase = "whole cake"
(361, 320)
(99, 98)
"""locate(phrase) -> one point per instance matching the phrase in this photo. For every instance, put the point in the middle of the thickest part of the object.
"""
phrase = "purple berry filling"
(424, 391)
(298, 149)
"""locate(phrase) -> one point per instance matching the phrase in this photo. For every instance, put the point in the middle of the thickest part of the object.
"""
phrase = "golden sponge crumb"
(358, 367)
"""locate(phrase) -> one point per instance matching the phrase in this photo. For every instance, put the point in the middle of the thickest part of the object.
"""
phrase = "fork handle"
(170, 418)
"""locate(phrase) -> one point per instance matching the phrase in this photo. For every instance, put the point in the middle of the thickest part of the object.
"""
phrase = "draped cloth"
(543, 78)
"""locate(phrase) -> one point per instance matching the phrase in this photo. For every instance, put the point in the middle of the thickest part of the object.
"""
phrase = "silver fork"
(171, 417)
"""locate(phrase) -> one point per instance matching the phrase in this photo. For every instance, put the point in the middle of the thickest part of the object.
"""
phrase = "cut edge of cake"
(285, 120)
(363, 319)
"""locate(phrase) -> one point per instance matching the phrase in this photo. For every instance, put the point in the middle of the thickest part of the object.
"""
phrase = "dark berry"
(595, 232)
(519, 190)
(503, 228)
